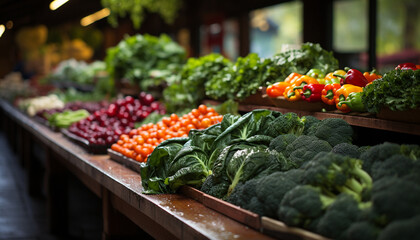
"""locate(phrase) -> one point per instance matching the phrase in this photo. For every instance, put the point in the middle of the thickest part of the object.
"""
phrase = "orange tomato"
(205, 123)
(174, 117)
(202, 108)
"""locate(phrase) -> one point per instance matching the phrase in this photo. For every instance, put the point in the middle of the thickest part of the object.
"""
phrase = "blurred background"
(35, 36)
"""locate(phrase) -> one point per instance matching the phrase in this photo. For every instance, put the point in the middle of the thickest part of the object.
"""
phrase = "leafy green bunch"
(144, 59)
(398, 90)
(188, 90)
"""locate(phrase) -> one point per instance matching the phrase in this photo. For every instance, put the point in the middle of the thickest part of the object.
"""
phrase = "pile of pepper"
(341, 88)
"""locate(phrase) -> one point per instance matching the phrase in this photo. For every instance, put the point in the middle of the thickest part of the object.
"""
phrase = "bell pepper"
(342, 94)
(371, 76)
(328, 93)
(315, 73)
(291, 94)
(353, 77)
(354, 102)
(304, 80)
(277, 89)
(292, 77)
(312, 92)
(330, 78)
(406, 66)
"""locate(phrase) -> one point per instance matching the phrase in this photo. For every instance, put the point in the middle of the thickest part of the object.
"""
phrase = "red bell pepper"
(353, 77)
(407, 66)
(312, 92)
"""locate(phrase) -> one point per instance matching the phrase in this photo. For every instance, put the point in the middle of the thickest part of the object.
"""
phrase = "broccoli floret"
(309, 121)
(347, 149)
(332, 130)
(214, 188)
(271, 189)
(302, 205)
(335, 174)
(282, 141)
(339, 216)
(394, 198)
(244, 195)
(243, 192)
(407, 229)
(284, 124)
(255, 206)
(363, 230)
(377, 155)
(397, 165)
(304, 148)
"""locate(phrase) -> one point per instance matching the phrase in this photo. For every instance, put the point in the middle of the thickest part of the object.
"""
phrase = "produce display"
(246, 75)
(299, 170)
(145, 60)
(105, 126)
(33, 105)
(140, 142)
(302, 171)
(340, 88)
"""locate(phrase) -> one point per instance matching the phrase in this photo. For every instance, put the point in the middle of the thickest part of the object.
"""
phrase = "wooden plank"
(280, 230)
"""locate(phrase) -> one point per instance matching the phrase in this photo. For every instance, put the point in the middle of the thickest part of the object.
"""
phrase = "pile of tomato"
(141, 142)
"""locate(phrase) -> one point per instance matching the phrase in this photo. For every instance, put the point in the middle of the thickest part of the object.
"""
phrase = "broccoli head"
(284, 124)
(339, 216)
(304, 148)
(407, 229)
(271, 189)
(381, 152)
(309, 121)
(302, 205)
(394, 198)
(332, 130)
(281, 142)
(396, 165)
(347, 149)
(363, 230)
(244, 195)
(336, 174)
(216, 187)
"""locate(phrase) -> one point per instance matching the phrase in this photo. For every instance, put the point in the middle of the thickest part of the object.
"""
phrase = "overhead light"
(2, 28)
(95, 17)
(57, 3)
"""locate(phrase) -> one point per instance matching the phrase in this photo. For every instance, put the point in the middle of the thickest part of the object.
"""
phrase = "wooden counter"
(161, 216)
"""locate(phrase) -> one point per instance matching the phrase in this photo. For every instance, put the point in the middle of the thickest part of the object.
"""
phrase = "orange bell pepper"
(277, 89)
(292, 77)
(371, 76)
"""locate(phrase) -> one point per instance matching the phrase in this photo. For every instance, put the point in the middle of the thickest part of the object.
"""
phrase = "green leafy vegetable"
(188, 89)
(145, 60)
(397, 90)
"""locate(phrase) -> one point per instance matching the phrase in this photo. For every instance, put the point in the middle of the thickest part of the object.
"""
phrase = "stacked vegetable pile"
(36, 104)
(104, 126)
(351, 90)
(302, 171)
(140, 142)
(217, 78)
(145, 60)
